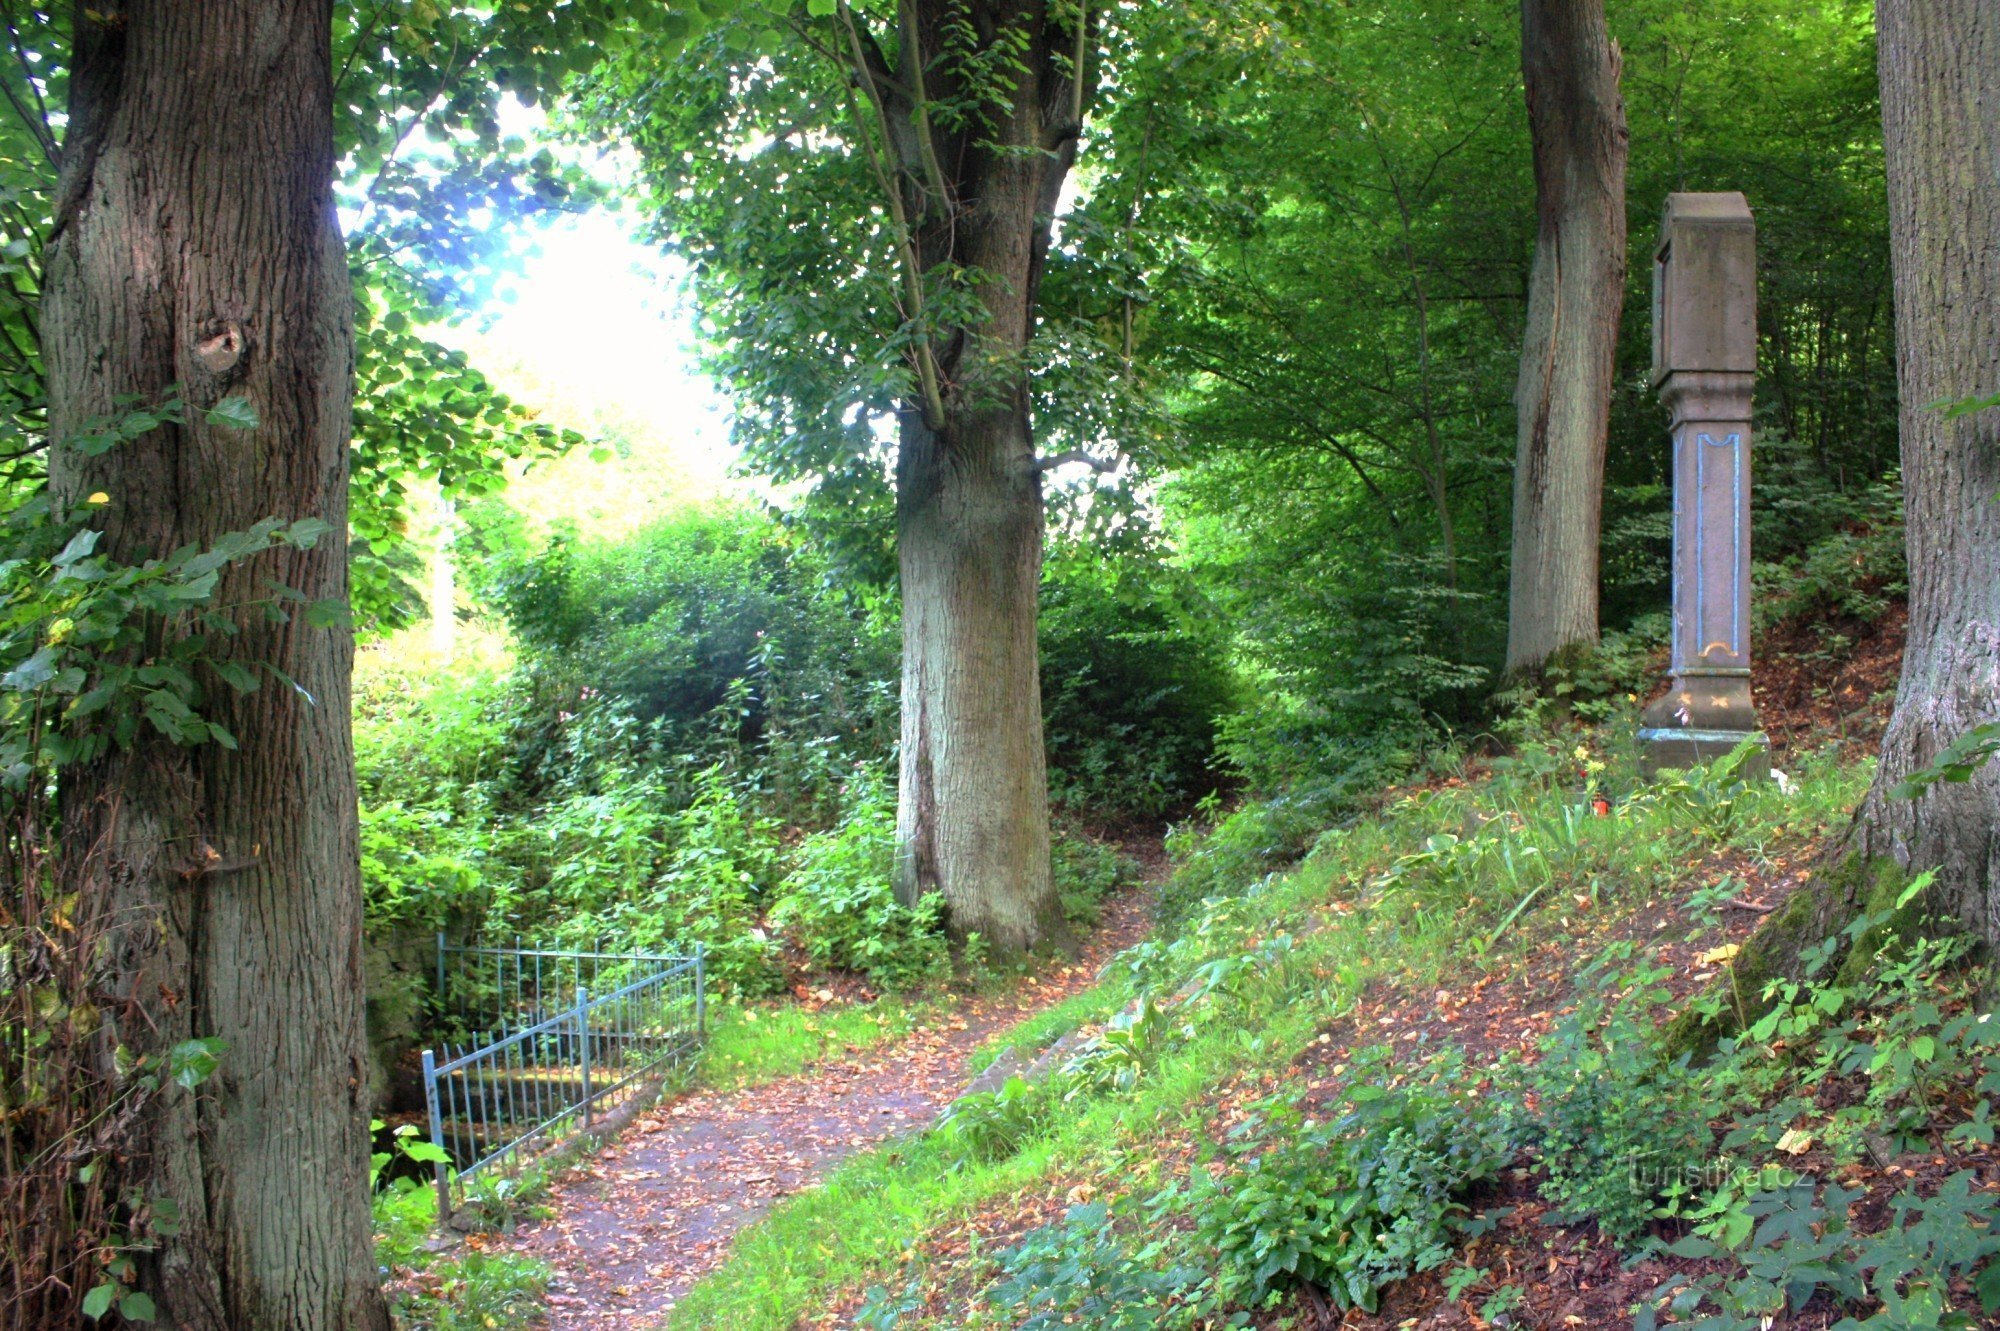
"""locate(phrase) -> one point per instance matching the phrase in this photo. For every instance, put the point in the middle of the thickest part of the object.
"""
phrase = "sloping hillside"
(1424, 1078)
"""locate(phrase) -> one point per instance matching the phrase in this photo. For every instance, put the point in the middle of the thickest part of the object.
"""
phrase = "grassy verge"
(1445, 885)
(754, 1043)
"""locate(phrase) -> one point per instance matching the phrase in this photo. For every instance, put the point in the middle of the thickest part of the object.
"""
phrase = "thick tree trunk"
(1577, 120)
(1940, 63)
(195, 245)
(973, 821)
(973, 809)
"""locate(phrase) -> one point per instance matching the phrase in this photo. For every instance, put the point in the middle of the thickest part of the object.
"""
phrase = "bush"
(715, 614)
(1086, 872)
(1133, 679)
(1357, 1203)
(1222, 855)
(983, 1126)
(434, 761)
(716, 863)
(1615, 1120)
(1076, 1273)
(1824, 550)
(839, 904)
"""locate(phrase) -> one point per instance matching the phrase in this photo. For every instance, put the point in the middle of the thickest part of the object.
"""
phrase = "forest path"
(647, 1216)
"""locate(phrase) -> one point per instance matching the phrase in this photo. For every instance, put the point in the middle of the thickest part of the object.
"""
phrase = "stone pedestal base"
(1702, 718)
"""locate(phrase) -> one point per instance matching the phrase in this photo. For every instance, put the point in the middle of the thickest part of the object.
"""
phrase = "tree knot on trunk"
(219, 346)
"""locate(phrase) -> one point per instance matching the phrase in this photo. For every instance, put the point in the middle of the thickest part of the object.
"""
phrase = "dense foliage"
(1324, 217)
(687, 738)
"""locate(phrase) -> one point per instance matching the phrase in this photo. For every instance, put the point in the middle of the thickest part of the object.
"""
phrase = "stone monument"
(1704, 368)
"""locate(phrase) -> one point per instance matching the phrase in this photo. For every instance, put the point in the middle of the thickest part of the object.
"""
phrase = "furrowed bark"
(973, 816)
(1940, 67)
(1569, 357)
(196, 245)
(973, 820)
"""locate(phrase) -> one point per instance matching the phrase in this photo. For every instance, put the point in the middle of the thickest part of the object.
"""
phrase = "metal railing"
(485, 991)
(530, 1076)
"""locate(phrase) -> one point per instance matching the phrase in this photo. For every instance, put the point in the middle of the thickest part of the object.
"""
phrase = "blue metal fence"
(555, 1040)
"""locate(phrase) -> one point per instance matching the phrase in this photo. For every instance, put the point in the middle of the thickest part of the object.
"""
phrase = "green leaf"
(237, 676)
(198, 588)
(137, 1307)
(191, 1062)
(98, 1301)
(329, 613)
(1988, 1286)
(1966, 406)
(80, 546)
(32, 673)
(305, 533)
(426, 1153)
(234, 413)
(1916, 887)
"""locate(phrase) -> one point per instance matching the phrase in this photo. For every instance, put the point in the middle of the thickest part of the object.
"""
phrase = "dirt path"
(654, 1211)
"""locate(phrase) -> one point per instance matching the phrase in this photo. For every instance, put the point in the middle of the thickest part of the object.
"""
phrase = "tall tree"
(972, 818)
(1576, 117)
(194, 249)
(869, 202)
(1940, 68)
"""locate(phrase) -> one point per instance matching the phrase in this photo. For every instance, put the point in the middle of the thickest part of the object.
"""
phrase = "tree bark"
(973, 815)
(1940, 67)
(195, 244)
(1576, 118)
(977, 194)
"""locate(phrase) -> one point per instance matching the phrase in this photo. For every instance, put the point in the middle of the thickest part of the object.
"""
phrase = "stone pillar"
(1705, 368)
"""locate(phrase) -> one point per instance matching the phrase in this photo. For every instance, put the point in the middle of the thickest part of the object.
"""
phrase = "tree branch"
(1102, 466)
(906, 245)
(920, 115)
(36, 122)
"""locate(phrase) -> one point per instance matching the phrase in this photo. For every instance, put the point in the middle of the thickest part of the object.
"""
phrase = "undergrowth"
(1740, 1176)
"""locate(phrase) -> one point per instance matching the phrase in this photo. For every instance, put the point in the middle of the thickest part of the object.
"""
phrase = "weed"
(1615, 1121)
(1359, 1202)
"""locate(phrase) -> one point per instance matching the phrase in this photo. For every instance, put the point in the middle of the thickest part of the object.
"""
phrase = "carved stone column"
(1705, 369)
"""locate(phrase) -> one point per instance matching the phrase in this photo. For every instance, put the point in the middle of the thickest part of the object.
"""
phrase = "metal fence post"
(700, 991)
(440, 986)
(583, 1046)
(437, 1135)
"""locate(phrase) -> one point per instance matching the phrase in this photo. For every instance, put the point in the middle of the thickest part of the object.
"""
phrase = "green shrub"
(1223, 855)
(839, 903)
(721, 634)
(626, 866)
(1354, 1204)
(1086, 872)
(1076, 1273)
(434, 762)
(1134, 675)
(1616, 1122)
(1839, 555)
(1117, 1056)
(1798, 1245)
(991, 1125)
(1714, 799)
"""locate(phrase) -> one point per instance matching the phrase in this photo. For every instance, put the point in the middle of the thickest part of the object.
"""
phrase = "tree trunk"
(1577, 120)
(976, 195)
(195, 244)
(1940, 65)
(973, 815)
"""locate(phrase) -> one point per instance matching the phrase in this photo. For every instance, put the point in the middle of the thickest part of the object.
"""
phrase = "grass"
(1030, 1037)
(1442, 884)
(458, 1287)
(749, 1044)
